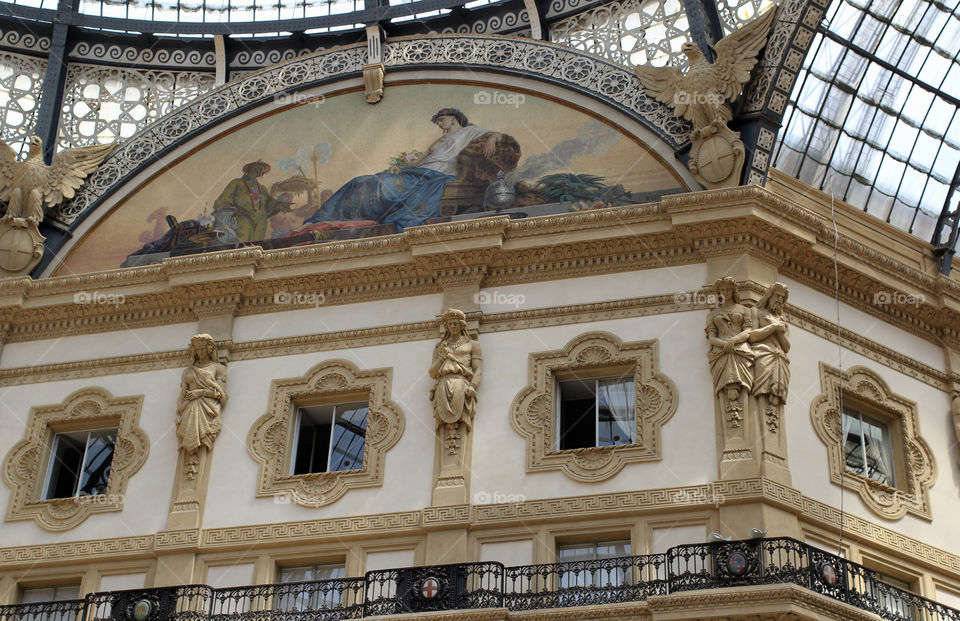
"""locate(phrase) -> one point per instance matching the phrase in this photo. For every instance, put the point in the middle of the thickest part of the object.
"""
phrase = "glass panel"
(577, 405)
(96, 467)
(65, 464)
(311, 596)
(615, 412)
(346, 452)
(853, 443)
(879, 452)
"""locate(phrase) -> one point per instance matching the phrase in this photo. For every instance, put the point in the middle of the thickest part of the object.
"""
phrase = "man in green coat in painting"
(252, 201)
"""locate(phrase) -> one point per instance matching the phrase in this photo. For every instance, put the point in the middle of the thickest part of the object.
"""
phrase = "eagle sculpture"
(29, 185)
(701, 95)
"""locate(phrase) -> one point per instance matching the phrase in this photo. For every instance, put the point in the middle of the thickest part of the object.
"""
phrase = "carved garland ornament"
(919, 470)
(24, 468)
(533, 413)
(334, 381)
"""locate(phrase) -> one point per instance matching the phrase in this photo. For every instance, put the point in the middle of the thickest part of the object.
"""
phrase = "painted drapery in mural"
(334, 170)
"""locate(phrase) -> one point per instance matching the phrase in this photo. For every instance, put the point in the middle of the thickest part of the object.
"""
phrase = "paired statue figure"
(203, 393)
(748, 352)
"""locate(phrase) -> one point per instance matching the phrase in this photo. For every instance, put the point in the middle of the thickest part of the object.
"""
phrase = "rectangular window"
(41, 595)
(330, 438)
(867, 447)
(584, 573)
(595, 412)
(79, 463)
(305, 593)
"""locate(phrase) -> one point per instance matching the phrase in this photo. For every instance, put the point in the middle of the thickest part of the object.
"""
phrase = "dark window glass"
(595, 412)
(80, 463)
(867, 447)
(330, 438)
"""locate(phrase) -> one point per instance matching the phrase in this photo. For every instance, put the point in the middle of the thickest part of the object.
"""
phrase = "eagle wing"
(71, 167)
(737, 54)
(663, 83)
(8, 170)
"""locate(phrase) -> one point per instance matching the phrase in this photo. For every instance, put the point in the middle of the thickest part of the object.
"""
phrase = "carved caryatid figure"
(457, 366)
(203, 393)
(730, 356)
(770, 344)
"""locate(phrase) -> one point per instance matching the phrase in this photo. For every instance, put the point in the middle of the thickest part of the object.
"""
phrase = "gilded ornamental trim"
(861, 387)
(24, 468)
(270, 440)
(533, 413)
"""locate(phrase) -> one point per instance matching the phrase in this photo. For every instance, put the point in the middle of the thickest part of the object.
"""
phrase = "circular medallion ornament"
(737, 564)
(828, 573)
(142, 610)
(716, 158)
(430, 588)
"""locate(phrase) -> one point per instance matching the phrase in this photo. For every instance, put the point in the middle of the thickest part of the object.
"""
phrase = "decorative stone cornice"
(782, 226)
(494, 322)
(754, 603)
(493, 516)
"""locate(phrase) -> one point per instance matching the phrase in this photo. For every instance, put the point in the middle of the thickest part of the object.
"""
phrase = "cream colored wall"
(408, 472)
(605, 287)
(331, 318)
(807, 454)
(864, 324)
(148, 492)
(95, 346)
(499, 464)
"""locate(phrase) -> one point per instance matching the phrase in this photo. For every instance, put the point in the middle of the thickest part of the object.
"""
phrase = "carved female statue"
(203, 393)
(457, 366)
(728, 328)
(771, 367)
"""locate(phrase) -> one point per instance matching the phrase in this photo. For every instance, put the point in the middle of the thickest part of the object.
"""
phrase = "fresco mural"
(337, 168)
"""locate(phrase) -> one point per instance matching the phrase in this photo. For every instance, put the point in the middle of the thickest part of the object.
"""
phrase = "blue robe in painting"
(406, 198)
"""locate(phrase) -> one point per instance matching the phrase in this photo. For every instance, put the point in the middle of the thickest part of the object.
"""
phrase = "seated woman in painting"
(411, 195)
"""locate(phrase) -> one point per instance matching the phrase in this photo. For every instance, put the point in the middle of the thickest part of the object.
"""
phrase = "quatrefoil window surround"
(534, 413)
(916, 470)
(271, 439)
(25, 467)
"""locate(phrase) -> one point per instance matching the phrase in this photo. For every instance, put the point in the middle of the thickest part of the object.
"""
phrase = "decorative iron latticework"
(629, 32)
(21, 80)
(103, 104)
(473, 586)
(735, 13)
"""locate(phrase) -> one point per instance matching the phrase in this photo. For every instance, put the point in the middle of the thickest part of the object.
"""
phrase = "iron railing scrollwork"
(466, 586)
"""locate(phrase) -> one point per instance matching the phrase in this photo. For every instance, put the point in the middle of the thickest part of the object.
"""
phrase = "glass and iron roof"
(874, 115)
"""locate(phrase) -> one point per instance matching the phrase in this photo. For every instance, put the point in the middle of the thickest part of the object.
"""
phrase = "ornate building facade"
(467, 326)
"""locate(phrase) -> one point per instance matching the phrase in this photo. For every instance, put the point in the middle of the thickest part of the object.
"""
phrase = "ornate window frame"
(533, 412)
(334, 381)
(24, 468)
(916, 468)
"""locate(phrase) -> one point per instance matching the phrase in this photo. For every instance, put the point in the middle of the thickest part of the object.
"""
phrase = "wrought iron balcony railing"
(491, 585)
